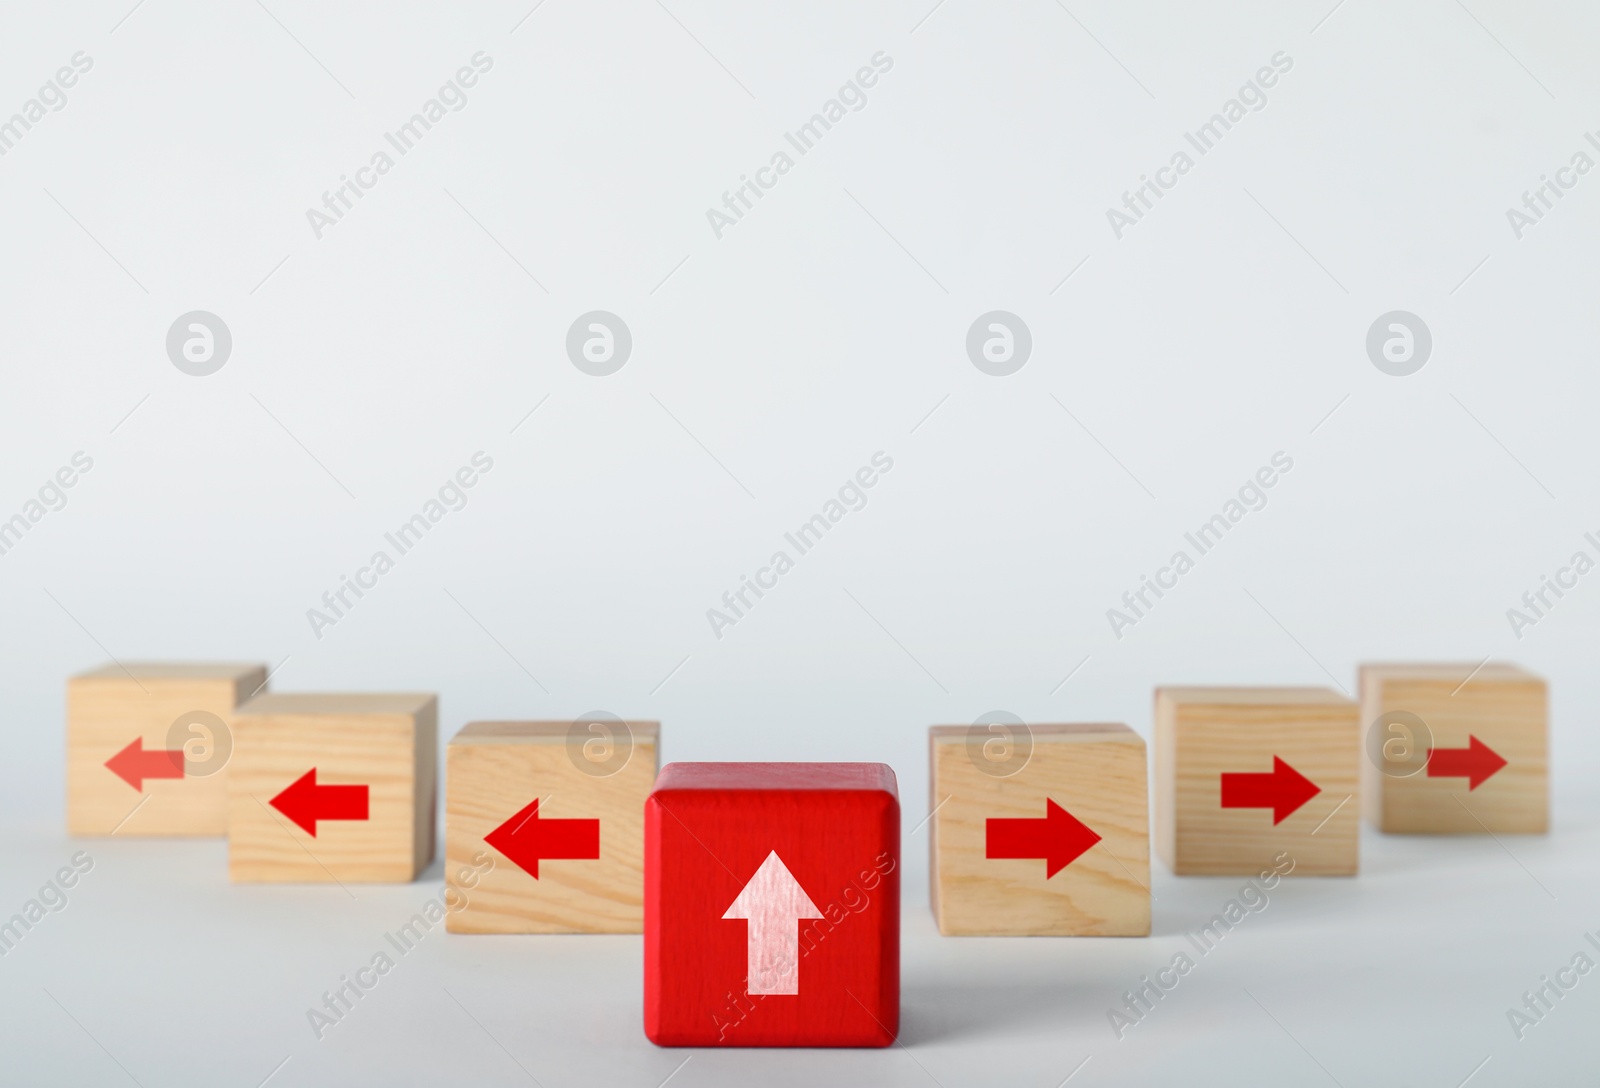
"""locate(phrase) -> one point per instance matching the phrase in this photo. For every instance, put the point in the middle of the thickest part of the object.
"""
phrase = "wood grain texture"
(109, 707)
(1203, 733)
(493, 771)
(386, 742)
(1504, 706)
(1098, 774)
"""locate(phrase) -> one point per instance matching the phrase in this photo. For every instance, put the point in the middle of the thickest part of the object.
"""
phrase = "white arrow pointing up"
(772, 903)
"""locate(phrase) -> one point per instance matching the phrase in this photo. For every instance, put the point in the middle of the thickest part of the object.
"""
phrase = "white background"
(768, 365)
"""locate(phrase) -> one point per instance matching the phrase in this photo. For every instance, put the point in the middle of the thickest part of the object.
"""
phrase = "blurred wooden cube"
(544, 826)
(148, 746)
(1246, 774)
(1059, 846)
(1455, 749)
(336, 788)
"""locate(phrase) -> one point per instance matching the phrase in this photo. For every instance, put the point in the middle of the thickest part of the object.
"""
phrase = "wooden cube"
(772, 905)
(1455, 749)
(559, 809)
(1057, 846)
(1244, 775)
(332, 788)
(148, 746)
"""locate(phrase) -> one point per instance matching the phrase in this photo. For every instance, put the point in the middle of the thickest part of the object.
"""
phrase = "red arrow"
(305, 802)
(1283, 790)
(133, 764)
(525, 839)
(1060, 838)
(1477, 762)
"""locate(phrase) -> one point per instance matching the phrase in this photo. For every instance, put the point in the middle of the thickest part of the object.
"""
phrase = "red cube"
(772, 905)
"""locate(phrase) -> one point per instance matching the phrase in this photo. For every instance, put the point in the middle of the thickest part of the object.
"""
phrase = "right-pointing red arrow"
(1283, 790)
(1477, 762)
(1060, 838)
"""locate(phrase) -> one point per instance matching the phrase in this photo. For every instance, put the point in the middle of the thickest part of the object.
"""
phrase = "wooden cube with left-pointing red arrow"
(1039, 830)
(148, 746)
(1455, 749)
(1249, 779)
(333, 788)
(559, 808)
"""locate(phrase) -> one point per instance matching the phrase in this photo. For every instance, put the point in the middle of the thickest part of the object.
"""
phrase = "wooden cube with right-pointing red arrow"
(148, 746)
(1046, 834)
(559, 806)
(1455, 749)
(332, 788)
(1248, 775)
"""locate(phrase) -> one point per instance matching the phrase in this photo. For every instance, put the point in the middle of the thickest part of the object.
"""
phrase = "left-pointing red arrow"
(1060, 838)
(527, 840)
(133, 764)
(305, 802)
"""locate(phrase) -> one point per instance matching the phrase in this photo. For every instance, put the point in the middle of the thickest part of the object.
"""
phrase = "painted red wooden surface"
(731, 958)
